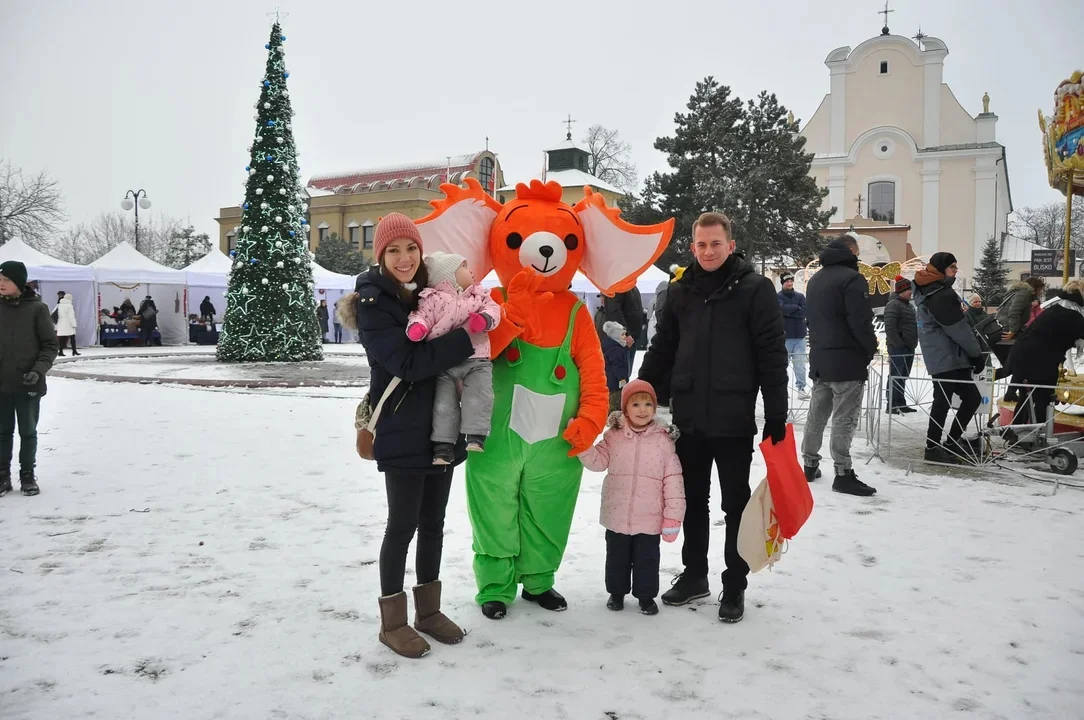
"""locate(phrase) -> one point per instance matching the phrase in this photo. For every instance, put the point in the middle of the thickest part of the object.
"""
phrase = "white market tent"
(208, 277)
(125, 273)
(331, 286)
(53, 275)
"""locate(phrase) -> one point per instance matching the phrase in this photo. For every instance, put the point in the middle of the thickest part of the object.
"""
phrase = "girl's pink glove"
(416, 331)
(476, 322)
(670, 530)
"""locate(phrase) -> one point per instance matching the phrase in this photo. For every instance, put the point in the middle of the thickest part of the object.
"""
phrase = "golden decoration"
(881, 279)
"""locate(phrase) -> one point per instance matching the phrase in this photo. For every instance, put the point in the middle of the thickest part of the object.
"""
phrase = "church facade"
(892, 144)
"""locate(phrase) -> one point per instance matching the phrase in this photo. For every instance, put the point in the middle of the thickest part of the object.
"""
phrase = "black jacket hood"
(836, 253)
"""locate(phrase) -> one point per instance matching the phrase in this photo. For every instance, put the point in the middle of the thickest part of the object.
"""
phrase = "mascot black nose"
(546, 251)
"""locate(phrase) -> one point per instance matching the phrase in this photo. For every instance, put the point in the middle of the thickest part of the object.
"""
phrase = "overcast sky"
(108, 96)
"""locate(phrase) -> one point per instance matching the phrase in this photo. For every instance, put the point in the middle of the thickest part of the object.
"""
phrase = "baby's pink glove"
(417, 331)
(476, 323)
(670, 530)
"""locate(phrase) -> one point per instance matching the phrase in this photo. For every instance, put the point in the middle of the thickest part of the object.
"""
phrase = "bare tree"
(30, 207)
(1045, 224)
(87, 242)
(610, 159)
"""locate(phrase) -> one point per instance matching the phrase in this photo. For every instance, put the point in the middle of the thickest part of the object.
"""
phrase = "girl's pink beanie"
(637, 386)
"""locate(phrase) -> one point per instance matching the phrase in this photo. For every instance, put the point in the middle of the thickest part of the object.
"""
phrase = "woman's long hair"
(347, 307)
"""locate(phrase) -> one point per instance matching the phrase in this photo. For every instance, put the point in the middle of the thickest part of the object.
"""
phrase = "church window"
(486, 174)
(882, 201)
(884, 67)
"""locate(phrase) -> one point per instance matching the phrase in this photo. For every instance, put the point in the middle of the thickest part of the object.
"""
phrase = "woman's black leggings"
(416, 502)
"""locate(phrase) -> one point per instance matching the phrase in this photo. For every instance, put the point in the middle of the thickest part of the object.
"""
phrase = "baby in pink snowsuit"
(452, 300)
(643, 495)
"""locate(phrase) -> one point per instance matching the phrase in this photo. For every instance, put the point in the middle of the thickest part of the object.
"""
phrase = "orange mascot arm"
(594, 396)
(506, 331)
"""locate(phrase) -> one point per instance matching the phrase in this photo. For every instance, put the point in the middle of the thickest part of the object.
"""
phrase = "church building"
(902, 157)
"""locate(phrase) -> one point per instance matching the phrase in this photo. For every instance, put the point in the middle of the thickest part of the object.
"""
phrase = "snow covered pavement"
(213, 555)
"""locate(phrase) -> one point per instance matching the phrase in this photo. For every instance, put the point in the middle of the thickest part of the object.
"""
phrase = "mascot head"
(537, 230)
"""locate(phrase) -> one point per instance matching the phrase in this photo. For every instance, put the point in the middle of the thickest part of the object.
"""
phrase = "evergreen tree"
(270, 310)
(186, 247)
(991, 276)
(337, 255)
(746, 160)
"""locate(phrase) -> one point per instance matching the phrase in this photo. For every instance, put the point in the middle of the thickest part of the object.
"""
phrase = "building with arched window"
(349, 204)
(902, 157)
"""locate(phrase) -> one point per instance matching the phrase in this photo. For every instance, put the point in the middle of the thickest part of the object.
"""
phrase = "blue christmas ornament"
(304, 221)
(245, 206)
(292, 233)
(267, 83)
(233, 253)
(282, 38)
(269, 157)
(285, 75)
(270, 123)
(247, 168)
(253, 261)
(267, 46)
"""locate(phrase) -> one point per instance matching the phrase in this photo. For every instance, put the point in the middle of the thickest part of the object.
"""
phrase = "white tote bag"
(759, 541)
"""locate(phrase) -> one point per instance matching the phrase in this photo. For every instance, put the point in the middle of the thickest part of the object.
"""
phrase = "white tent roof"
(327, 280)
(125, 264)
(40, 266)
(646, 283)
(211, 270)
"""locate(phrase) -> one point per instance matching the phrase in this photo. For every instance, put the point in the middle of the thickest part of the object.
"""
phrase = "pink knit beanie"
(394, 226)
(637, 386)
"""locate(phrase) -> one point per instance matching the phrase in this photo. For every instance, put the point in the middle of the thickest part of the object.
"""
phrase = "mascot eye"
(572, 242)
(514, 240)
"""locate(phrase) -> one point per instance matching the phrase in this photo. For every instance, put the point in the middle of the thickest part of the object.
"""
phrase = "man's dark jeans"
(901, 361)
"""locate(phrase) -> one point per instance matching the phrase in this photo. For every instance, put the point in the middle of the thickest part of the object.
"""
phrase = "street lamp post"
(132, 199)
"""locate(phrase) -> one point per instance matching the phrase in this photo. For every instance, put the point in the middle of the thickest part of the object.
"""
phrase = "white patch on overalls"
(536, 417)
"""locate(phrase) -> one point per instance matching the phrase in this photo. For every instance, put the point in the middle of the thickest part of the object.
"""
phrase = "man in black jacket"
(28, 347)
(901, 337)
(841, 346)
(720, 339)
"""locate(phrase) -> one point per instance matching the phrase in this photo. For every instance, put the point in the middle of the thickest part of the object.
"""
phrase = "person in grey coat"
(901, 337)
(952, 352)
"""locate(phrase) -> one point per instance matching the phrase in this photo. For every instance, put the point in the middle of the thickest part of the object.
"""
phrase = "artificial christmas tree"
(270, 310)
(991, 276)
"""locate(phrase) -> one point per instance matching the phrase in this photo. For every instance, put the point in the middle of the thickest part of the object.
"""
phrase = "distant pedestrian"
(794, 323)
(66, 323)
(901, 337)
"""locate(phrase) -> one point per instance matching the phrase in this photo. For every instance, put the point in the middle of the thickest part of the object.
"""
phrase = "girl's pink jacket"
(444, 308)
(644, 483)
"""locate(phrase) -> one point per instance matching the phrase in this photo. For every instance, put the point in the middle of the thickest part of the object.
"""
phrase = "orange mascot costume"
(549, 380)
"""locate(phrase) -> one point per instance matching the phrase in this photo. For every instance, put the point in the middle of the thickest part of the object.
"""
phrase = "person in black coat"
(627, 310)
(148, 320)
(1041, 348)
(792, 303)
(615, 351)
(901, 337)
(417, 490)
(719, 342)
(322, 315)
(207, 309)
(841, 346)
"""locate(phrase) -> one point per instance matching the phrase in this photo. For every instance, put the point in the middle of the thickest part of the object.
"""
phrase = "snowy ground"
(940, 597)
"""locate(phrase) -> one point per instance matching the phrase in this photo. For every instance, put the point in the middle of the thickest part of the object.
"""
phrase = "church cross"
(569, 122)
(885, 13)
(859, 200)
(920, 36)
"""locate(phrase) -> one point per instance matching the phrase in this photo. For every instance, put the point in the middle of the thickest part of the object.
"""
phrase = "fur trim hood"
(617, 421)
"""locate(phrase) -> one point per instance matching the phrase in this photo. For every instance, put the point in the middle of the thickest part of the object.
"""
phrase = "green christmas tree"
(991, 275)
(270, 310)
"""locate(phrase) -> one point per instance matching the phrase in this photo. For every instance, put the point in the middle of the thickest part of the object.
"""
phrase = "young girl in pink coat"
(643, 495)
(452, 300)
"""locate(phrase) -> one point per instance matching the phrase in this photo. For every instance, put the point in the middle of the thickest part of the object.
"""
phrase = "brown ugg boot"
(429, 619)
(394, 631)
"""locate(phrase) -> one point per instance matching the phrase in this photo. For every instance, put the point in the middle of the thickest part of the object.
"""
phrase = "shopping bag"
(790, 492)
(759, 541)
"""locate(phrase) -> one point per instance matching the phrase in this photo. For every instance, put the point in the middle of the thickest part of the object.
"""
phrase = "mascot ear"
(617, 252)
(460, 224)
